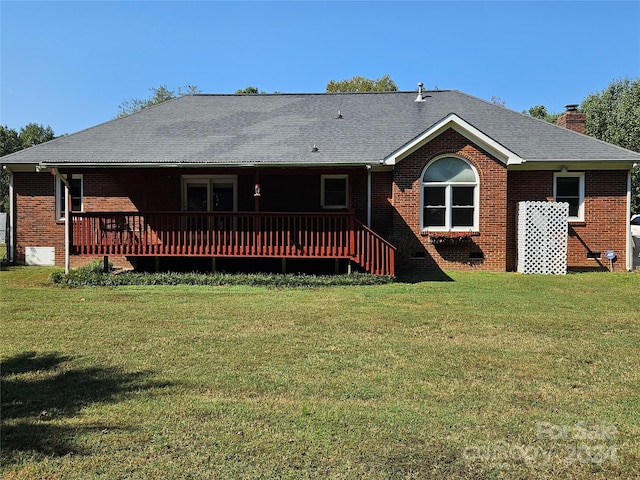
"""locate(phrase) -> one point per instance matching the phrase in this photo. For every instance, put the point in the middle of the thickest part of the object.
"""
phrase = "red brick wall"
(605, 215)
(381, 209)
(381, 203)
(131, 191)
(35, 213)
(395, 206)
(415, 249)
(128, 190)
(36, 224)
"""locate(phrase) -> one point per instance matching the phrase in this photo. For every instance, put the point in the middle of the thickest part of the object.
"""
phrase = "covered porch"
(325, 235)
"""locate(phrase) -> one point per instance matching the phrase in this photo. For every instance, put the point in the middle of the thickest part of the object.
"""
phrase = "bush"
(92, 275)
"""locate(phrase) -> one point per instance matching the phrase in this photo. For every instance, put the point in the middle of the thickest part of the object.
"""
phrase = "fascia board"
(19, 167)
(575, 165)
(463, 128)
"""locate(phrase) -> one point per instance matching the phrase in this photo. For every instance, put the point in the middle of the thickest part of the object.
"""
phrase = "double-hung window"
(334, 191)
(450, 196)
(569, 188)
(75, 182)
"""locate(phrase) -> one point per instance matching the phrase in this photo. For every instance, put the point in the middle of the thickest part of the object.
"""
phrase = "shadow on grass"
(38, 391)
(435, 275)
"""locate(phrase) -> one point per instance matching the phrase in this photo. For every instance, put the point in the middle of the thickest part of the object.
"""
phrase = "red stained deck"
(232, 234)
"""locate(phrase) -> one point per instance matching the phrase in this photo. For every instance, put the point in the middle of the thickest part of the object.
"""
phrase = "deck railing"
(371, 251)
(231, 234)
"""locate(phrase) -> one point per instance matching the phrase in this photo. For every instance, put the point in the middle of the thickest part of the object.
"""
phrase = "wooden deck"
(231, 234)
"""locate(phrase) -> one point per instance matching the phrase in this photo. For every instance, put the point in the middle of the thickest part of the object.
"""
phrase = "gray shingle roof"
(283, 128)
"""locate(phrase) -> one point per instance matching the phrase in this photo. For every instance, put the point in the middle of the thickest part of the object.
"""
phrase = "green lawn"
(488, 376)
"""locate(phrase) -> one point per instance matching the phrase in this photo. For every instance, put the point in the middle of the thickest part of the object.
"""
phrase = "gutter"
(46, 166)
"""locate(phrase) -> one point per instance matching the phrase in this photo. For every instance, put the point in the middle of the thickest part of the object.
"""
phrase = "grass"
(488, 376)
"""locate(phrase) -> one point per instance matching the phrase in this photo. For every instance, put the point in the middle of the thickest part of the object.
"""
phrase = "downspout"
(629, 241)
(12, 214)
(369, 196)
(67, 213)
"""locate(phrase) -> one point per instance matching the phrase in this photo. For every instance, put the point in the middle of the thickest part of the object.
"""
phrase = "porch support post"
(67, 227)
(629, 259)
(67, 219)
(12, 221)
(369, 196)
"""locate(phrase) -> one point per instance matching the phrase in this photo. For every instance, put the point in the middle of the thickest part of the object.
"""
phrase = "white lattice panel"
(543, 229)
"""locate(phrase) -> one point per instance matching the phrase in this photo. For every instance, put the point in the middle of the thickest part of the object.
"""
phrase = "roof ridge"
(413, 92)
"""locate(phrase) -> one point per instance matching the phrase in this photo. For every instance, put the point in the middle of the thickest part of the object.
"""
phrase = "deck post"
(284, 265)
(213, 264)
(105, 264)
(352, 237)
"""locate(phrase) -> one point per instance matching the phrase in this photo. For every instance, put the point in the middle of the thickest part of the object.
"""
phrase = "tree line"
(612, 115)
(13, 140)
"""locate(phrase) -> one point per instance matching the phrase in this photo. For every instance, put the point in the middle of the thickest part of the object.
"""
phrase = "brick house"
(377, 181)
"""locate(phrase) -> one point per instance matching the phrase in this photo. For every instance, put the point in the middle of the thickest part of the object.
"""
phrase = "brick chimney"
(572, 119)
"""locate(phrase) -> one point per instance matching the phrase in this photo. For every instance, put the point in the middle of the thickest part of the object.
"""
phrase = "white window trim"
(580, 176)
(60, 207)
(448, 197)
(346, 186)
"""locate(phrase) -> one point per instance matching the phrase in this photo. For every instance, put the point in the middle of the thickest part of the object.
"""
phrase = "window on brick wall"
(450, 196)
(75, 183)
(569, 188)
(333, 191)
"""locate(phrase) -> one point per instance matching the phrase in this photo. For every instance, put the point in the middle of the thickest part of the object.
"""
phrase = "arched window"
(449, 195)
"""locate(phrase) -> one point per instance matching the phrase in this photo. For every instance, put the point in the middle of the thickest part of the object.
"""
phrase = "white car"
(635, 226)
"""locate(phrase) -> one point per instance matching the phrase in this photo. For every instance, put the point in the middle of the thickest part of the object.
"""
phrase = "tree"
(249, 89)
(159, 94)
(613, 116)
(540, 111)
(361, 84)
(9, 143)
(498, 101)
(12, 141)
(33, 134)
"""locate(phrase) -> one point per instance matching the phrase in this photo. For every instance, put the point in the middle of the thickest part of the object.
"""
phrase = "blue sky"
(70, 65)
